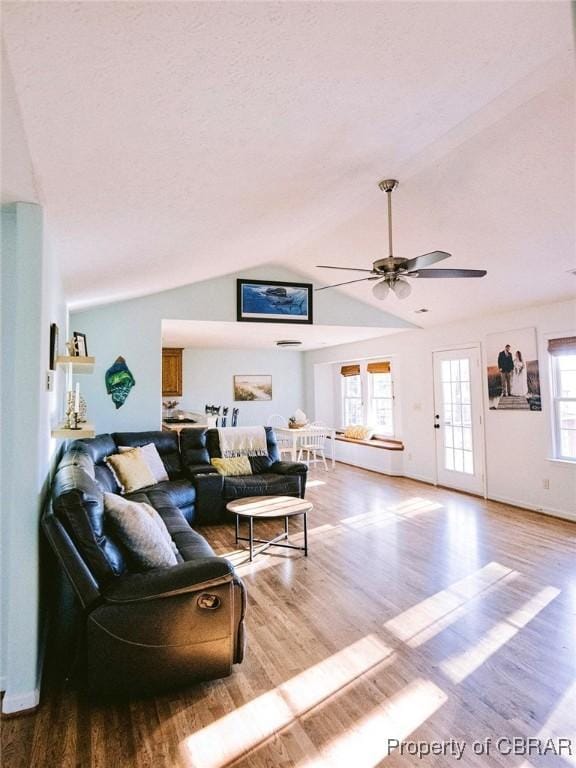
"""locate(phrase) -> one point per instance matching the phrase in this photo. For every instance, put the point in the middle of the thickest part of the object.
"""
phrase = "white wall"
(518, 444)
(31, 298)
(133, 329)
(207, 376)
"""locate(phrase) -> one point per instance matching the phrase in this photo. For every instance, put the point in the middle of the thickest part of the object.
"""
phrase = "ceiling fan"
(392, 271)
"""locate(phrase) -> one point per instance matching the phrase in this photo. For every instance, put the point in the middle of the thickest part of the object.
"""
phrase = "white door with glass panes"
(458, 419)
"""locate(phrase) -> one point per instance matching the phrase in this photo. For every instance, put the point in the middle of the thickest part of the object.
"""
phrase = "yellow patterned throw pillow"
(232, 467)
(131, 470)
(358, 432)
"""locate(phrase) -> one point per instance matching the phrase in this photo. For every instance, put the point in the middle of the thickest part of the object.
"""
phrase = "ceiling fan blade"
(448, 273)
(360, 280)
(426, 260)
(349, 269)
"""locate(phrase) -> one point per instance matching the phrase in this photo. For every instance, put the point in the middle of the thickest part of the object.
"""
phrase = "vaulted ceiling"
(174, 142)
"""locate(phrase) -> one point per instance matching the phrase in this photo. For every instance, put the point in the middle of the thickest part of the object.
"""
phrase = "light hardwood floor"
(421, 614)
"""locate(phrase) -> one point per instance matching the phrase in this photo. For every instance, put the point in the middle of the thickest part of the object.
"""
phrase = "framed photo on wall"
(80, 345)
(53, 346)
(270, 301)
(513, 372)
(252, 388)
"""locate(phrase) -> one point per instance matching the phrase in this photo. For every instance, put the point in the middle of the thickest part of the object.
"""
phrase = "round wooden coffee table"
(269, 508)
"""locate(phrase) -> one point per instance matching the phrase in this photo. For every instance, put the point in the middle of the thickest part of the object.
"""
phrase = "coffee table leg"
(305, 535)
(251, 536)
(286, 527)
(237, 529)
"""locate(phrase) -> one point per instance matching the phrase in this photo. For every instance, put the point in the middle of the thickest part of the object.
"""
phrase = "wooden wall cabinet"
(172, 372)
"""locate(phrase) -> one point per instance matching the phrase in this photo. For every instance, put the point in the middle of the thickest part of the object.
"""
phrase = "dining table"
(296, 436)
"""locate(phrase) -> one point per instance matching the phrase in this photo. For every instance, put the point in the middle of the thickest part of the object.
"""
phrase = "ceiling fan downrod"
(388, 185)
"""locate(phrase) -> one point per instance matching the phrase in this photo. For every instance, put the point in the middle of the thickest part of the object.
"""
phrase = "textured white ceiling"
(174, 142)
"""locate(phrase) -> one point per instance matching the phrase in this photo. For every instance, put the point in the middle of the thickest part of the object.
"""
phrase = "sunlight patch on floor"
(463, 539)
(560, 722)
(387, 515)
(314, 483)
(459, 666)
(426, 619)
(414, 505)
(365, 745)
(243, 729)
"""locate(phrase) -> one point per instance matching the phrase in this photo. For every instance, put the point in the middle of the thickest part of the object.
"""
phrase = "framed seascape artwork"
(513, 375)
(269, 301)
(252, 388)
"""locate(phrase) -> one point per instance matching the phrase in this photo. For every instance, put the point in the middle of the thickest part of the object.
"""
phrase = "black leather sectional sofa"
(166, 627)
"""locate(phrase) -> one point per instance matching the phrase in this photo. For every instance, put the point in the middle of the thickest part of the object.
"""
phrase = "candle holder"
(75, 421)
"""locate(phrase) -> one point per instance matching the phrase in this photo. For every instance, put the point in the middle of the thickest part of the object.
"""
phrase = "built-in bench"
(378, 454)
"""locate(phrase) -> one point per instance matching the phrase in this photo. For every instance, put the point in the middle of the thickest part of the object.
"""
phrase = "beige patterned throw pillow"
(131, 470)
(152, 458)
(142, 531)
(233, 467)
(358, 432)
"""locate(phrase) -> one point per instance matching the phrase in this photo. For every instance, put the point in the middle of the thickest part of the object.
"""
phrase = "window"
(367, 396)
(563, 355)
(351, 395)
(381, 405)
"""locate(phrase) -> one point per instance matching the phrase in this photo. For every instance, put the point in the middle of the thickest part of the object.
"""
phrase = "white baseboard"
(419, 478)
(563, 514)
(560, 513)
(19, 702)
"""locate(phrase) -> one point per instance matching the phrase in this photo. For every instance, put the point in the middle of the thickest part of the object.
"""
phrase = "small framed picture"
(53, 346)
(252, 388)
(80, 344)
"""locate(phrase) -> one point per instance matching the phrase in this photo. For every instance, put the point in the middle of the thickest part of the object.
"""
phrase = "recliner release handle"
(208, 602)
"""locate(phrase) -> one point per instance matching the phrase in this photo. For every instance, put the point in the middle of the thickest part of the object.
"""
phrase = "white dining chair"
(277, 420)
(312, 448)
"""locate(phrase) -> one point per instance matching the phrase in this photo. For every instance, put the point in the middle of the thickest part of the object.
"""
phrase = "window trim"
(366, 392)
(553, 421)
(556, 401)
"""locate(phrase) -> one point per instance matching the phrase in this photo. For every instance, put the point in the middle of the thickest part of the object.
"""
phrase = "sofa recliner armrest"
(296, 468)
(288, 468)
(192, 576)
(191, 470)
(210, 505)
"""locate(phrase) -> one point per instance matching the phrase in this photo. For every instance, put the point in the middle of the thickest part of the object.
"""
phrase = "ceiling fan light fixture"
(402, 288)
(381, 290)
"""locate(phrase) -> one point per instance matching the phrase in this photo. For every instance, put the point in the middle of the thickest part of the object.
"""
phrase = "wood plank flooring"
(421, 615)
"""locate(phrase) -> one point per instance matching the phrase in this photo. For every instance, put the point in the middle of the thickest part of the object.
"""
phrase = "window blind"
(383, 367)
(562, 346)
(350, 370)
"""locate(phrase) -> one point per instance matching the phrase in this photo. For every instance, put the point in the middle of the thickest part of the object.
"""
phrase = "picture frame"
(273, 301)
(80, 346)
(512, 374)
(252, 388)
(53, 353)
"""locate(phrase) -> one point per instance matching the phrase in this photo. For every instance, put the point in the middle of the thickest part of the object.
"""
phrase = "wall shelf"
(63, 433)
(74, 364)
(79, 364)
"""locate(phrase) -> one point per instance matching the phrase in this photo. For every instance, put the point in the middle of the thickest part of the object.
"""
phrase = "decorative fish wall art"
(119, 382)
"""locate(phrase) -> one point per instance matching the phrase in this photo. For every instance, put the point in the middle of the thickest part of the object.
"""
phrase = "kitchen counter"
(174, 424)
